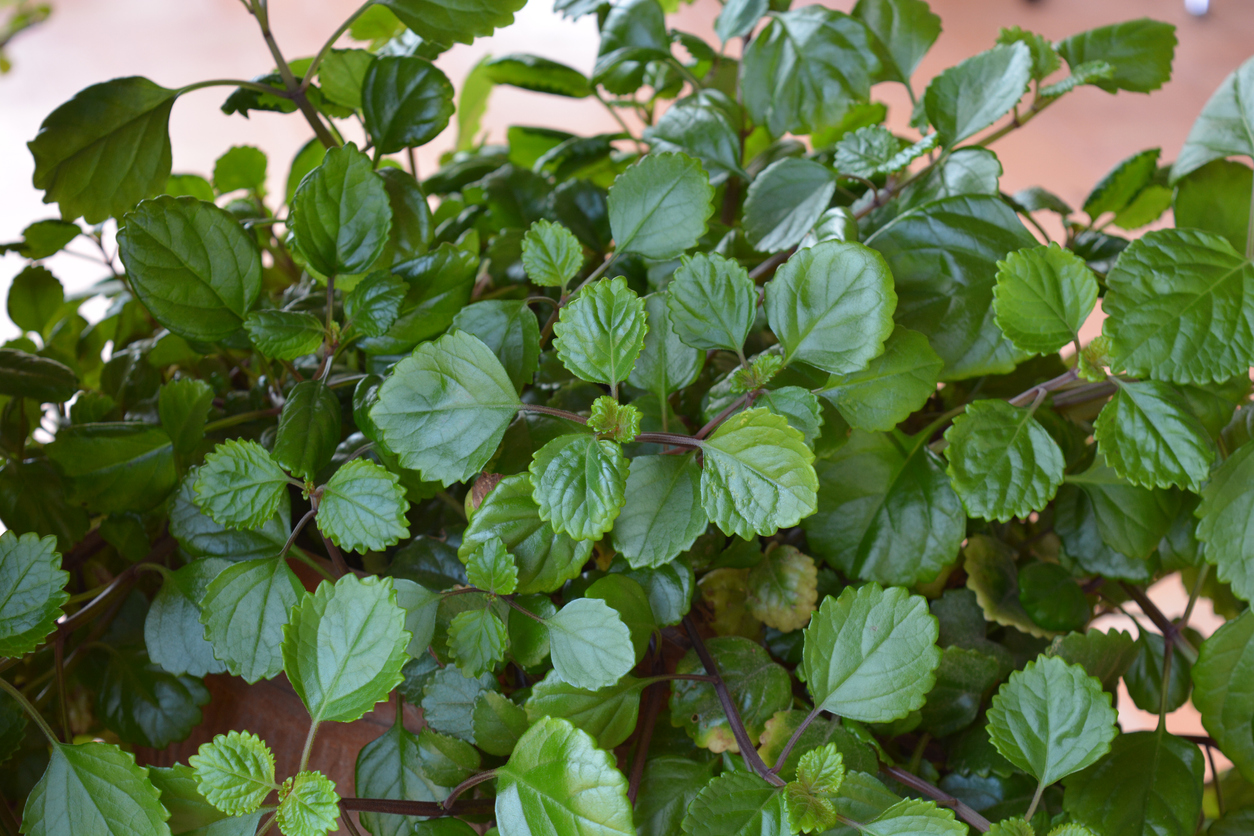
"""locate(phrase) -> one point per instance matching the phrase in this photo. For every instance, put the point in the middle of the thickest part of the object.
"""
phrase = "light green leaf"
(1216, 198)
(491, 568)
(445, 408)
(912, 817)
(234, 772)
(608, 714)
(35, 295)
(867, 151)
(1140, 51)
(309, 429)
(510, 330)
(445, 21)
(666, 363)
(785, 201)
(241, 167)
(340, 213)
(173, 634)
(885, 515)
(477, 640)
(201, 537)
(629, 599)
(373, 305)
(309, 805)
(183, 405)
(808, 811)
(285, 335)
(738, 18)
(1002, 462)
(94, 789)
(341, 74)
(551, 254)
(589, 644)
(712, 302)
(115, 467)
(391, 766)
(106, 149)
(1120, 187)
(579, 483)
(557, 781)
(540, 75)
(659, 206)
(1177, 308)
(192, 265)
(1221, 692)
(448, 701)
(244, 611)
(1151, 438)
(34, 591)
(344, 647)
(189, 812)
(600, 334)
(758, 475)
(906, 28)
(1223, 128)
(662, 515)
(783, 588)
(871, 683)
(891, 388)
(738, 804)
(967, 98)
(1043, 296)
(420, 605)
(240, 485)
(363, 508)
(498, 723)
(1225, 513)
(405, 101)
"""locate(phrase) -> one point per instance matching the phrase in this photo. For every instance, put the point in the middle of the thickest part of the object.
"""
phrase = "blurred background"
(1068, 148)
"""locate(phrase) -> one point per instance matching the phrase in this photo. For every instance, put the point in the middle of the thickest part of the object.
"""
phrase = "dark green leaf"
(309, 429)
(1227, 503)
(891, 387)
(448, 701)
(42, 380)
(342, 73)
(34, 585)
(391, 766)
(285, 335)
(1215, 198)
(668, 787)
(173, 633)
(116, 467)
(341, 215)
(1052, 598)
(701, 127)
(531, 72)
(144, 705)
(662, 515)
(498, 724)
(666, 363)
(1144, 677)
(445, 21)
(906, 28)
(659, 206)
(1151, 438)
(758, 687)
(738, 803)
(785, 201)
(35, 296)
(1221, 690)
(608, 714)
(183, 405)
(1140, 51)
(406, 102)
(373, 305)
(440, 284)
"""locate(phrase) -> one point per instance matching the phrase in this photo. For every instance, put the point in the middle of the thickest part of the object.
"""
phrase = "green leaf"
(1042, 298)
(445, 408)
(1222, 128)
(373, 305)
(1151, 782)
(967, 98)
(757, 685)
(1002, 462)
(285, 335)
(201, 537)
(943, 256)
(600, 334)
(551, 254)
(738, 18)
(344, 647)
(1144, 677)
(856, 754)
(545, 559)
(234, 772)
(1122, 184)
(35, 296)
(866, 152)
(1140, 50)
(1052, 598)
(1221, 690)
(557, 781)
(886, 511)
(412, 228)
(871, 683)
(607, 714)
(1151, 438)
(392, 766)
(94, 789)
(309, 805)
(992, 576)
(666, 364)
(341, 74)
(309, 429)
(421, 606)
(440, 284)
(492, 569)
(1103, 654)
(785, 201)
(189, 812)
(738, 804)
(1190, 326)
(115, 467)
(1227, 503)
(891, 388)
(758, 475)
(1051, 719)
(808, 811)
(106, 149)
(173, 634)
(629, 599)
(589, 644)
(498, 724)
(668, 787)
(405, 101)
(510, 330)
(34, 584)
(579, 483)
(183, 405)
(540, 75)
(240, 485)
(662, 513)
(1215, 198)
(363, 508)
(1131, 520)
(702, 127)
(477, 640)
(712, 302)
(911, 817)
(659, 206)
(448, 701)
(445, 21)
(906, 28)
(341, 215)
(806, 69)
(631, 34)
(24, 375)
(241, 167)
(192, 265)
(962, 679)
(244, 611)
(41, 240)
(783, 588)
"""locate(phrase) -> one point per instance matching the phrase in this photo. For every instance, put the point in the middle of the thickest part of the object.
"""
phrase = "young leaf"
(340, 213)
(785, 201)
(183, 405)
(510, 330)
(608, 714)
(192, 265)
(285, 335)
(1043, 296)
(491, 568)
(1051, 719)
(589, 644)
(34, 584)
(477, 640)
(373, 305)
(712, 302)
(662, 513)
(873, 683)
(1002, 462)
(35, 295)
(173, 634)
(783, 588)
(740, 803)
(891, 387)
(363, 508)
(1225, 512)
(659, 206)
(558, 781)
(341, 75)
(344, 647)
(1140, 50)
(250, 646)
(906, 28)
(94, 789)
(445, 408)
(1221, 129)
(234, 772)
(1221, 693)
(600, 334)
(308, 805)
(866, 152)
(309, 429)
(406, 101)
(579, 483)
(551, 254)
(967, 98)
(240, 485)
(1195, 327)
(1150, 437)
(758, 475)
(106, 149)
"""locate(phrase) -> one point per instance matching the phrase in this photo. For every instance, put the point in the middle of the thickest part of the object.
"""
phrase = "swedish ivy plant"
(750, 474)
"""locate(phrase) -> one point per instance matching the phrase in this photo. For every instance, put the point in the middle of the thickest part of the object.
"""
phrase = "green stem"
(1168, 647)
(309, 742)
(261, 12)
(241, 418)
(467, 784)
(1036, 800)
(640, 146)
(31, 711)
(1038, 105)
(686, 73)
(521, 609)
(1202, 574)
(792, 741)
(230, 82)
(326, 47)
